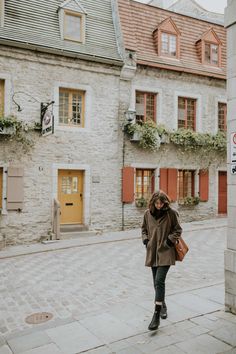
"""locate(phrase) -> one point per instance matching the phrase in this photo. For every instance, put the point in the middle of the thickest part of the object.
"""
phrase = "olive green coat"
(157, 231)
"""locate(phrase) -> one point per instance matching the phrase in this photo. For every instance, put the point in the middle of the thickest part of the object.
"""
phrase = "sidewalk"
(13, 251)
(117, 303)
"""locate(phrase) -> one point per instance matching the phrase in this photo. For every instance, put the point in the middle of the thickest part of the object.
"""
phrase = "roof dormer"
(167, 39)
(72, 21)
(209, 48)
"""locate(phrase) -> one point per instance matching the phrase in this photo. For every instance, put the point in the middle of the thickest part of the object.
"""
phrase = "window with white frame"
(73, 26)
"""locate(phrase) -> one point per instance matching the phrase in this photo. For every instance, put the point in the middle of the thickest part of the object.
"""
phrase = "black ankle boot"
(155, 322)
(163, 313)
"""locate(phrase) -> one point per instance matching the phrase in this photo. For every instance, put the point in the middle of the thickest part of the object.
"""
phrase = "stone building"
(177, 79)
(230, 253)
(63, 52)
(93, 64)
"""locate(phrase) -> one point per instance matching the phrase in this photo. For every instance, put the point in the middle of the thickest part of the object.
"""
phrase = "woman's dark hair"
(159, 195)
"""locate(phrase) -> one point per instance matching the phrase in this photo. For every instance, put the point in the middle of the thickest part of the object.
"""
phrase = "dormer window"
(73, 26)
(209, 48)
(167, 39)
(211, 53)
(72, 21)
(168, 44)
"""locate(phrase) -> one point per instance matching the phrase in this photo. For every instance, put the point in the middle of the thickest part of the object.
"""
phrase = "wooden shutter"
(168, 182)
(1, 179)
(204, 185)
(128, 184)
(15, 188)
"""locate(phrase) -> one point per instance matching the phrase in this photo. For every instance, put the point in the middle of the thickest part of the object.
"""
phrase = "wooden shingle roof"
(35, 23)
(143, 19)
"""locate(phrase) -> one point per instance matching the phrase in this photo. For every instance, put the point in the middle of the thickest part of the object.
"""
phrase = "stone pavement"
(101, 297)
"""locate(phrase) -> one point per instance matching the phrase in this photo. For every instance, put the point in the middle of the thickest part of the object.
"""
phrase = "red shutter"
(172, 184)
(204, 185)
(128, 184)
(168, 182)
(164, 179)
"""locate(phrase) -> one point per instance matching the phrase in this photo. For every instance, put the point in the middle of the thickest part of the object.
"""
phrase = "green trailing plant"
(149, 134)
(193, 141)
(16, 130)
(190, 201)
(141, 202)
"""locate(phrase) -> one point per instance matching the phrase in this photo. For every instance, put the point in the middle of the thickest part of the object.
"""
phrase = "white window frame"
(87, 109)
(7, 93)
(62, 14)
(199, 112)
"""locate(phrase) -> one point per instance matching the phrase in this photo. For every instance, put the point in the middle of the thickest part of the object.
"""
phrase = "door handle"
(68, 204)
(81, 195)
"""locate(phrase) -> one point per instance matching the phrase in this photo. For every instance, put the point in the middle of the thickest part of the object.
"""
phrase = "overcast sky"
(210, 5)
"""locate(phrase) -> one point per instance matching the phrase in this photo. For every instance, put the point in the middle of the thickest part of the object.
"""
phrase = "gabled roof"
(35, 24)
(146, 18)
(73, 5)
(210, 36)
(168, 25)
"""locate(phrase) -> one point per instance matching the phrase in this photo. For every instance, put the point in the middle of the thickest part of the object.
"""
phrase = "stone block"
(230, 260)
(203, 344)
(45, 349)
(226, 334)
(5, 350)
(231, 238)
(30, 341)
(230, 282)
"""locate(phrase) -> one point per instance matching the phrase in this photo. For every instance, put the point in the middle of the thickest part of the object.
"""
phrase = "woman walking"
(160, 231)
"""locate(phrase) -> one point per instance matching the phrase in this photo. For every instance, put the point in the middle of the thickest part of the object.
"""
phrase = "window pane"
(185, 184)
(76, 109)
(207, 52)
(73, 27)
(150, 106)
(181, 112)
(164, 43)
(222, 110)
(139, 107)
(214, 53)
(190, 113)
(172, 45)
(63, 107)
(144, 187)
(1, 98)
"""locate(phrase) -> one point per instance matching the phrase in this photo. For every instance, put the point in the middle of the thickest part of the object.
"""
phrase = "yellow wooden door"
(70, 195)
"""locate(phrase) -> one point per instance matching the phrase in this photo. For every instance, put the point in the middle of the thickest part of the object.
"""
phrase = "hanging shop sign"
(47, 119)
(233, 148)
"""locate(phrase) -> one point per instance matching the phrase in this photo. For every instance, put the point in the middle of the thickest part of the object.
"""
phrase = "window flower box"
(7, 130)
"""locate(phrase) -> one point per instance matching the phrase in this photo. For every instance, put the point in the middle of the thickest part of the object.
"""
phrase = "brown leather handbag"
(181, 248)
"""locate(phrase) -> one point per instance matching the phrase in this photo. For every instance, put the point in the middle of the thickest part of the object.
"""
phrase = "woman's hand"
(145, 242)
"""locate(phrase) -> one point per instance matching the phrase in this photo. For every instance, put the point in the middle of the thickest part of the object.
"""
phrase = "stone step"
(73, 228)
(77, 234)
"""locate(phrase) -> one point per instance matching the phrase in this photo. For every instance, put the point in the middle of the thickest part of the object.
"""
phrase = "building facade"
(72, 65)
(230, 253)
(178, 81)
(91, 67)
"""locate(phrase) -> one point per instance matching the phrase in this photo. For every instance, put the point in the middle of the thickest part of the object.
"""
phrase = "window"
(212, 54)
(71, 107)
(144, 183)
(186, 113)
(145, 106)
(168, 44)
(73, 27)
(222, 116)
(1, 98)
(185, 184)
(1, 178)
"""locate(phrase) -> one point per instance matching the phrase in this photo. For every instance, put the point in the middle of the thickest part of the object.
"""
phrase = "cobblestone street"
(75, 282)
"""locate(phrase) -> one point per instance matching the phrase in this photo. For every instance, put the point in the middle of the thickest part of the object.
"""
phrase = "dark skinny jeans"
(159, 276)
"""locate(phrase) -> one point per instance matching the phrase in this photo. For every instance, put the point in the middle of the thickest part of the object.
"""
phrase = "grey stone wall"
(35, 78)
(168, 86)
(230, 253)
